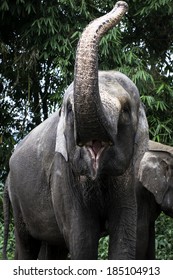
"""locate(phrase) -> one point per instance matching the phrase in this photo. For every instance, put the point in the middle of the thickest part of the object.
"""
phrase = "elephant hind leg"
(27, 247)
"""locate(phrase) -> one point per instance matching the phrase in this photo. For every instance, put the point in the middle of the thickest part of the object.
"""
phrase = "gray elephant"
(73, 178)
(154, 194)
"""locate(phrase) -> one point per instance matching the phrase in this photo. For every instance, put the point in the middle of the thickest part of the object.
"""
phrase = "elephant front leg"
(83, 240)
(122, 230)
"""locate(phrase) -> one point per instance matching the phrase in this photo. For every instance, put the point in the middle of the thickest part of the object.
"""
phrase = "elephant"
(154, 194)
(72, 179)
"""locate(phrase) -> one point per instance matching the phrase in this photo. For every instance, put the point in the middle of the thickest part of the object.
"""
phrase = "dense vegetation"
(37, 51)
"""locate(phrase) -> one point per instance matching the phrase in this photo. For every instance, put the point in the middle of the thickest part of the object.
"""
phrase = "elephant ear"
(61, 144)
(154, 174)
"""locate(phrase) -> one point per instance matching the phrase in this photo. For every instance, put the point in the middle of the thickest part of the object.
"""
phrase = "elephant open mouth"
(95, 149)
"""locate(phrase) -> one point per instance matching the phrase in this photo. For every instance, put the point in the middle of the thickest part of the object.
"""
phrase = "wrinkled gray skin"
(72, 179)
(154, 194)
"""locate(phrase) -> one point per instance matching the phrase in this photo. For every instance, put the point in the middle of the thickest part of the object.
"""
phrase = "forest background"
(38, 40)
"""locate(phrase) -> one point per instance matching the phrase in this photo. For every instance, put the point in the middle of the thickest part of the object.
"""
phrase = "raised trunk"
(89, 116)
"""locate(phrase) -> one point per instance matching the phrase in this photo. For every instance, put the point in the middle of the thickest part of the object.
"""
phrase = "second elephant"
(154, 194)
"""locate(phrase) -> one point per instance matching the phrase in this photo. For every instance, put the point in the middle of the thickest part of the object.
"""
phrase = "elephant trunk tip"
(122, 4)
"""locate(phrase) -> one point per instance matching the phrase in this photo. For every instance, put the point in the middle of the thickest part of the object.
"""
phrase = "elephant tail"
(6, 208)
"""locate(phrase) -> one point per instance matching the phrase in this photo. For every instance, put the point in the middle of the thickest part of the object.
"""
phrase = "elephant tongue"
(96, 146)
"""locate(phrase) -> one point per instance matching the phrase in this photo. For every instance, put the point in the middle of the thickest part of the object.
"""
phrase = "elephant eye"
(70, 115)
(69, 107)
(125, 115)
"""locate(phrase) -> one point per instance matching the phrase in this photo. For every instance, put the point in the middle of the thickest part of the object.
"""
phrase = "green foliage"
(1, 201)
(11, 241)
(164, 238)
(103, 248)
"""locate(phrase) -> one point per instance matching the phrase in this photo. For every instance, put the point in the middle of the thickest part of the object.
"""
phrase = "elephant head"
(156, 175)
(107, 122)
